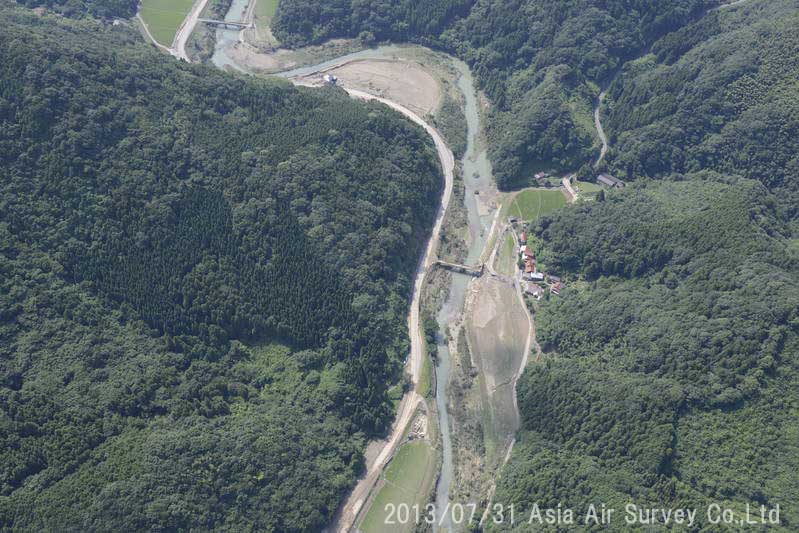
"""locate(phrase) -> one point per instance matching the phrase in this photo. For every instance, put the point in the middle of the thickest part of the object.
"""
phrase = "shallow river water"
(477, 177)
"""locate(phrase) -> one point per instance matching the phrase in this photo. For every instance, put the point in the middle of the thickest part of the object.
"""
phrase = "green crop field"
(265, 9)
(587, 187)
(533, 203)
(264, 13)
(163, 17)
(506, 263)
(407, 480)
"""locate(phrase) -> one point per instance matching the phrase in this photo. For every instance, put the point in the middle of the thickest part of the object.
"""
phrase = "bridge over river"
(475, 271)
(227, 24)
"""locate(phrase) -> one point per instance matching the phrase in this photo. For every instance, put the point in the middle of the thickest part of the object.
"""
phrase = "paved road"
(349, 512)
(184, 31)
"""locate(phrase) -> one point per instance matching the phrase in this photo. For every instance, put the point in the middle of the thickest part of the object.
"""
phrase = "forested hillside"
(720, 94)
(672, 370)
(81, 8)
(540, 64)
(204, 285)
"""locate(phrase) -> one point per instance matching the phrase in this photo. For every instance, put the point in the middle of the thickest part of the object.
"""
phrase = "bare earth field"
(262, 56)
(497, 329)
(245, 54)
(404, 82)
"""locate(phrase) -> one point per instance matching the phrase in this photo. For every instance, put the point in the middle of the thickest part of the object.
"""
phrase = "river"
(477, 176)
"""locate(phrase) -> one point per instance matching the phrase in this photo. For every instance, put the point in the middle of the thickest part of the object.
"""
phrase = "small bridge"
(475, 271)
(235, 25)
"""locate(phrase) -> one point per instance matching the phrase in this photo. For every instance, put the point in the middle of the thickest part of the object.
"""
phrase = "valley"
(486, 328)
(366, 266)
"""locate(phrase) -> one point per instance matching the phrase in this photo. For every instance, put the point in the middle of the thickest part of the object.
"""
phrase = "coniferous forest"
(671, 365)
(204, 285)
(205, 276)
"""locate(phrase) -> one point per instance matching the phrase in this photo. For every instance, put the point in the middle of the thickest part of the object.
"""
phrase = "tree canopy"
(719, 94)
(539, 64)
(671, 367)
(204, 285)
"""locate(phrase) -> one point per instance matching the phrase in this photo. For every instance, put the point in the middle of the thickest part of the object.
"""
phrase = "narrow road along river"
(477, 177)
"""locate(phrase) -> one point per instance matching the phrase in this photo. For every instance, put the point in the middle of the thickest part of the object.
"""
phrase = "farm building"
(610, 181)
(534, 290)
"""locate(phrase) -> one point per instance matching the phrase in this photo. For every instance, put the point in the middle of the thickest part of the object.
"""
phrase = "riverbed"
(477, 178)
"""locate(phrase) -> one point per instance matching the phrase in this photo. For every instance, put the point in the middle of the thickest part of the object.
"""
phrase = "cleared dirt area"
(497, 329)
(404, 82)
(252, 58)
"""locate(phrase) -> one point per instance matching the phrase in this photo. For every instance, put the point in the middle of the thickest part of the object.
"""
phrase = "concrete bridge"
(475, 271)
(235, 25)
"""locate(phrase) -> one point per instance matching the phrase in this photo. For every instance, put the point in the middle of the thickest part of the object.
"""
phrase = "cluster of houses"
(531, 276)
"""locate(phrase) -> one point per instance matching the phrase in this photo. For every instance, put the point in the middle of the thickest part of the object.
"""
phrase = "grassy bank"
(406, 481)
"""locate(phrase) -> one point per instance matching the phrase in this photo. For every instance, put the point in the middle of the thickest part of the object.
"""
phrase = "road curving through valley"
(348, 513)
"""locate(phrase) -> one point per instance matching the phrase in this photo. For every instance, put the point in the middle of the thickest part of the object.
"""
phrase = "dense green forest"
(105, 9)
(720, 94)
(204, 285)
(671, 377)
(539, 65)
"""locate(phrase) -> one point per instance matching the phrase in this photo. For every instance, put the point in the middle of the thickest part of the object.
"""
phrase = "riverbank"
(422, 81)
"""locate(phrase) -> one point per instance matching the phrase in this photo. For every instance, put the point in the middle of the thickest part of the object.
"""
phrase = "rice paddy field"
(406, 482)
(530, 204)
(164, 17)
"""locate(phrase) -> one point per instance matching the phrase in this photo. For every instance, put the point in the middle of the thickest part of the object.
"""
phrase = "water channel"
(477, 178)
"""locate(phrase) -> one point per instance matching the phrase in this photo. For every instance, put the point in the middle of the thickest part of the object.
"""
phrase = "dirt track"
(349, 511)
(599, 130)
